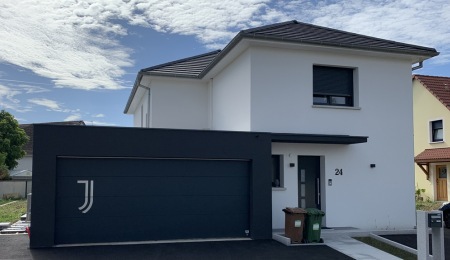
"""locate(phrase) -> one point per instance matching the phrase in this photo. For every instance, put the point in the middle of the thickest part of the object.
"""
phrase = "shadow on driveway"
(16, 247)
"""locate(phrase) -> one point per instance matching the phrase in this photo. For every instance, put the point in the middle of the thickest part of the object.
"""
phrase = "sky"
(78, 60)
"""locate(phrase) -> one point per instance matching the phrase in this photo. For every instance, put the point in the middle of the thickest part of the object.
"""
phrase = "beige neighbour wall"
(427, 108)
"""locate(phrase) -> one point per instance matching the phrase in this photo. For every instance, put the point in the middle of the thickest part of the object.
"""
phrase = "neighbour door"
(309, 182)
(441, 182)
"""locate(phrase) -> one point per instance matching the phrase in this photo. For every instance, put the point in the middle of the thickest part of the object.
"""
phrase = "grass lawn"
(387, 248)
(13, 211)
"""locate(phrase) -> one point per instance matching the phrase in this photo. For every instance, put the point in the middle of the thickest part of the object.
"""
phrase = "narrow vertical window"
(277, 171)
(437, 131)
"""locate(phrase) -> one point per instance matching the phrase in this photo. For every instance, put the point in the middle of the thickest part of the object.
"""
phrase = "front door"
(441, 182)
(309, 182)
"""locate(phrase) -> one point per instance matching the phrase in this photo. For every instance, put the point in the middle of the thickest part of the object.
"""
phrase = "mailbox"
(434, 220)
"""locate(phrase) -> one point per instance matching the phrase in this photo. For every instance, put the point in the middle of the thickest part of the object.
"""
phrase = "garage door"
(121, 199)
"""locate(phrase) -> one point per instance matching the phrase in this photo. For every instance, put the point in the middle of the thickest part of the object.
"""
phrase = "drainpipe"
(148, 109)
(418, 66)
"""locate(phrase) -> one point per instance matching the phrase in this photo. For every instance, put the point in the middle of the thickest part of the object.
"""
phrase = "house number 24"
(338, 171)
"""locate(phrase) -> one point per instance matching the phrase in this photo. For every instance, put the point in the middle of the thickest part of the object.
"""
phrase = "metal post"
(423, 243)
(28, 207)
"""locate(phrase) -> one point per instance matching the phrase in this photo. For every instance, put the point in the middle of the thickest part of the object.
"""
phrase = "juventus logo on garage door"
(88, 195)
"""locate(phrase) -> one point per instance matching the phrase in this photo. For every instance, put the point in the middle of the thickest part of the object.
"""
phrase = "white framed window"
(436, 131)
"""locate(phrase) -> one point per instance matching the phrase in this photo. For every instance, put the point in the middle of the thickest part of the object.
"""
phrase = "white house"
(339, 106)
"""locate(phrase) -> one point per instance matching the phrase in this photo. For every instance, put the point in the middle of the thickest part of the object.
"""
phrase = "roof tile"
(433, 155)
(438, 86)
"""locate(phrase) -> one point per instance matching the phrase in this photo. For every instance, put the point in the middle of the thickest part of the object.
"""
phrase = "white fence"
(21, 187)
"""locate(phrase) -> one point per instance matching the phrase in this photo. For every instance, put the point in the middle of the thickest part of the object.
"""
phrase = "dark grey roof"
(188, 67)
(307, 33)
(292, 31)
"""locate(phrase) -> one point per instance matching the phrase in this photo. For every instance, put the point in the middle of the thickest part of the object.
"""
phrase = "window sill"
(278, 189)
(336, 107)
(437, 142)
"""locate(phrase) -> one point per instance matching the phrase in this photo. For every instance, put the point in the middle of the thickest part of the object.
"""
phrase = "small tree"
(12, 139)
(4, 174)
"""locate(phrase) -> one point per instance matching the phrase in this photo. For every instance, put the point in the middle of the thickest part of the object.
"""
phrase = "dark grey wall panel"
(54, 209)
(171, 199)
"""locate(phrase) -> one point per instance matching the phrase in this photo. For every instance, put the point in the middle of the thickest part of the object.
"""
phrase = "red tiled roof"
(433, 155)
(438, 86)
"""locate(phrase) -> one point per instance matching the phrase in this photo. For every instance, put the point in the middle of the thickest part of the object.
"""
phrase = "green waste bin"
(313, 225)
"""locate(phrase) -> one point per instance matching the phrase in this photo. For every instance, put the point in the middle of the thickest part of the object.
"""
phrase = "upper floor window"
(437, 131)
(333, 86)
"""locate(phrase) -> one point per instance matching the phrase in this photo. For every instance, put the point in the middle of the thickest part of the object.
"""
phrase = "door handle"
(318, 190)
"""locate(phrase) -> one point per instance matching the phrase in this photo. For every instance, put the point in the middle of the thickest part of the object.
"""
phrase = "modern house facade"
(334, 102)
(431, 149)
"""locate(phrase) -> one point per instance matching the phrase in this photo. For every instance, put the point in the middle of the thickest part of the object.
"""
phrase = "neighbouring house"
(431, 136)
(21, 175)
(338, 106)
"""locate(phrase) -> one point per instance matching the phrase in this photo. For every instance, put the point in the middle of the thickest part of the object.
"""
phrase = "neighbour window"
(332, 86)
(437, 131)
(277, 171)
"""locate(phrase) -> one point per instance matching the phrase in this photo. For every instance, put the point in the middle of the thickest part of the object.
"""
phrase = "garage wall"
(150, 199)
(57, 147)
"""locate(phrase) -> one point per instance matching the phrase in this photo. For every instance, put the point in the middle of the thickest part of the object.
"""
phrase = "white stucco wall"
(281, 101)
(231, 96)
(174, 103)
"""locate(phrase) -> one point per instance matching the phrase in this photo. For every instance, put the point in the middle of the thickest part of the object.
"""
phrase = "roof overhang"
(317, 138)
(437, 155)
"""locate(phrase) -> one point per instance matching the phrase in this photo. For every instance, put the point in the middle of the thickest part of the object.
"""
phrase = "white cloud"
(9, 100)
(75, 43)
(73, 117)
(98, 115)
(67, 42)
(50, 104)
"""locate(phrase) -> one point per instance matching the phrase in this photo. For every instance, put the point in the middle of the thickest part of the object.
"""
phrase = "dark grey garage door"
(125, 199)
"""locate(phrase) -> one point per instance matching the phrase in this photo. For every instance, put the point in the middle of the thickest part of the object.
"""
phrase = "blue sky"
(77, 60)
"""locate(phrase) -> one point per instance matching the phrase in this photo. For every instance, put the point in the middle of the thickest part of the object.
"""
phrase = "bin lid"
(314, 211)
(294, 210)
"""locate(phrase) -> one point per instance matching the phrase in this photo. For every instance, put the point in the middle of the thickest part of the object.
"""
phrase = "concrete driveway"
(16, 247)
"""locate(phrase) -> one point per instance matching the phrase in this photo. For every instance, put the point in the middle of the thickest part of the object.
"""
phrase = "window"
(277, 171)
(332, 86)
(437, 131)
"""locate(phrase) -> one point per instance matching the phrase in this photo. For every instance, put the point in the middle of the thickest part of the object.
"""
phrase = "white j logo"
(88, 195)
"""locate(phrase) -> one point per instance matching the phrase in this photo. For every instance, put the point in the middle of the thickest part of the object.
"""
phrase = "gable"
(439, 87)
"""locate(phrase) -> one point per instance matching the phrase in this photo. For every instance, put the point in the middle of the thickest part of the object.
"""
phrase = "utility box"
(434, 220)
(294, 223)
(429, 225)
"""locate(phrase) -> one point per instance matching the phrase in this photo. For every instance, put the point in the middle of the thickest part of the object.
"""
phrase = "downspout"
(418, 66)
(148, 109)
